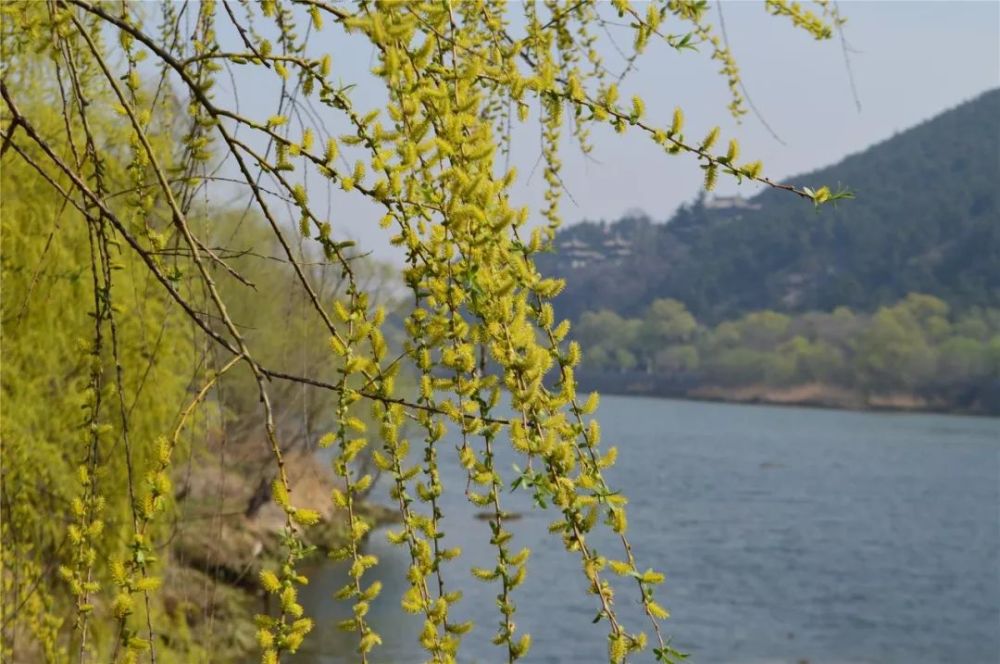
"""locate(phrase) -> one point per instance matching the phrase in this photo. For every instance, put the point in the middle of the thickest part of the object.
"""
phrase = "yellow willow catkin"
(432, 161)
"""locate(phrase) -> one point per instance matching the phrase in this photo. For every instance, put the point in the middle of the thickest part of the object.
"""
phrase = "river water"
(787, 535)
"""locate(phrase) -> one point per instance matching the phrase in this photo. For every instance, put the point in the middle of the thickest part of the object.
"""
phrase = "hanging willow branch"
(457, 75)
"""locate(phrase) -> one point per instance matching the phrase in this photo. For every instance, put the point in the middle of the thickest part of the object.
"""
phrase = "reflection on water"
(786, 535)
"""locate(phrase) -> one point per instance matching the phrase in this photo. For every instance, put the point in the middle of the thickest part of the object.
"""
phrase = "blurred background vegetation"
(891, 299)
(221, 528)
(917, 351)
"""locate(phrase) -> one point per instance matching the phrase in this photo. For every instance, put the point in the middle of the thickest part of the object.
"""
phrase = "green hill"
(926, 219)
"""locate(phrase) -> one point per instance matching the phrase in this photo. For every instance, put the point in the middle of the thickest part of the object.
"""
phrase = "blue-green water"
(787, 534)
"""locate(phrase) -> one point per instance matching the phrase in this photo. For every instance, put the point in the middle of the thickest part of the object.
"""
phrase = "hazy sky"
(911, 60)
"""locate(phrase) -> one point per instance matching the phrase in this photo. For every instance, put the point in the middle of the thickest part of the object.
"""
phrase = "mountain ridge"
(926, 218)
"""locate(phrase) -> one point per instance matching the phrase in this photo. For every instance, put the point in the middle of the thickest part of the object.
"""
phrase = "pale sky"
(911, 60)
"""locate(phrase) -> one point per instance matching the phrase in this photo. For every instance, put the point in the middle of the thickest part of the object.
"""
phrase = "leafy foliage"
(135, 188)
(77, 310)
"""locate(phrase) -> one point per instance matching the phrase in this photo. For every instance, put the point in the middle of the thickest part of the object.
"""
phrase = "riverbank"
(817, 395)
(218, 550)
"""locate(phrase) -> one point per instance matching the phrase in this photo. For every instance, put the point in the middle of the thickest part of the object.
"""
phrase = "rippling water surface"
(786, 534)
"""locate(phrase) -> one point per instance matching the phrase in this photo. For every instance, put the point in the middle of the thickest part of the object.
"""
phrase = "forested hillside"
(925, 219)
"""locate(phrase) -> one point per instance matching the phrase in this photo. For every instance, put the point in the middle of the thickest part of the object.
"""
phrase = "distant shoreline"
(812, 395)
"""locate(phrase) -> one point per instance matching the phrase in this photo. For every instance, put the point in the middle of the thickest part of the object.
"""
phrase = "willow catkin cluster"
(457, 75)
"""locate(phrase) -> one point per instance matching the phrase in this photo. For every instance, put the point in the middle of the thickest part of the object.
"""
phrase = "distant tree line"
(917, 345)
